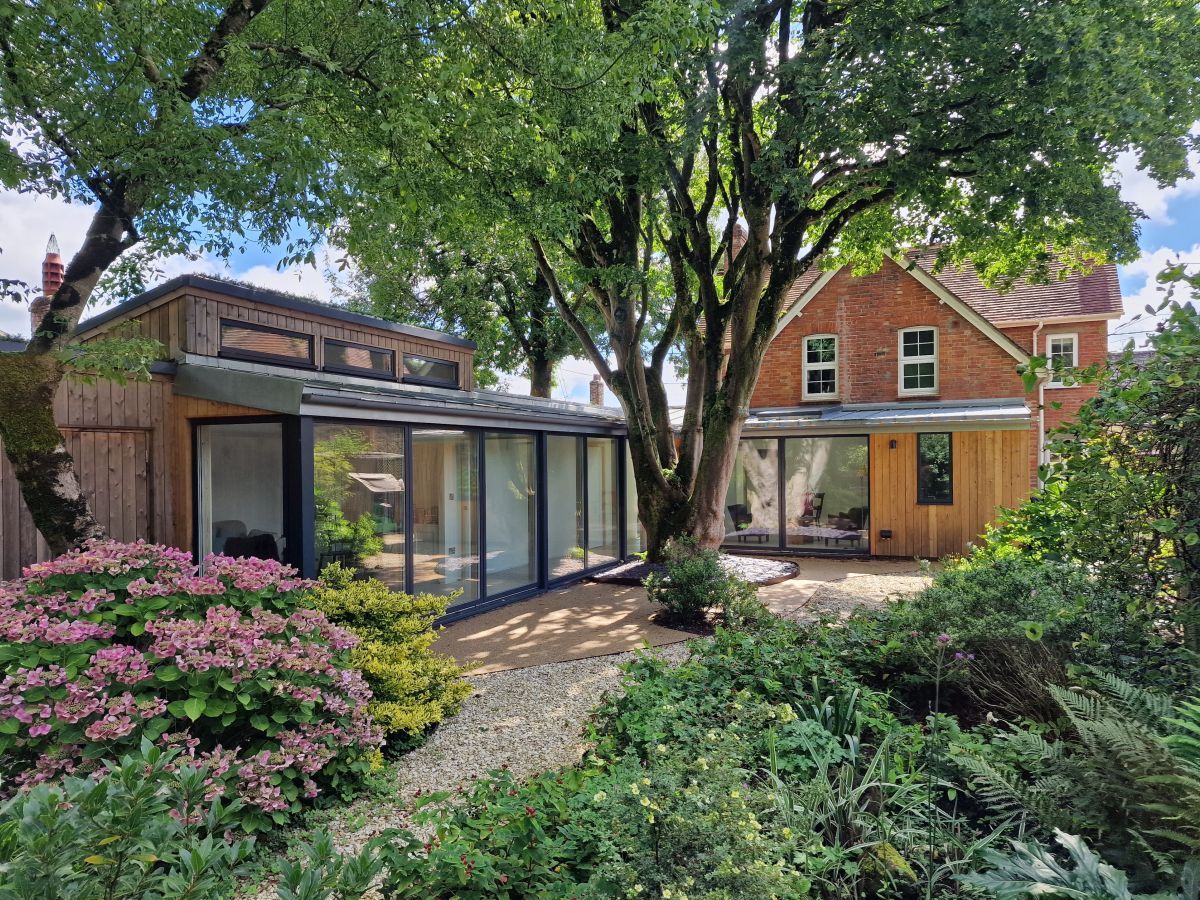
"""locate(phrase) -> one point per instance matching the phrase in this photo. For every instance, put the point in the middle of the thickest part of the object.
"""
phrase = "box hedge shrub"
(414, 688)
(113, 643)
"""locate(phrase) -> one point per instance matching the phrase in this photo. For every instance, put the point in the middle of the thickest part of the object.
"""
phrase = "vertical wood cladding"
(990, 470)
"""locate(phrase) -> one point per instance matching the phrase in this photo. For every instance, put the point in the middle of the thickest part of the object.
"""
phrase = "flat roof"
(325, 394)
(1011, 411)
(280, 299)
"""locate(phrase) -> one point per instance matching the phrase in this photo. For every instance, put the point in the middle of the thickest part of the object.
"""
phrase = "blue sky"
(1170, 232)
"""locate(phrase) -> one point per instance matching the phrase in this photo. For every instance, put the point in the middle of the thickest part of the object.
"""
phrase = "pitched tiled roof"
(1095, 294)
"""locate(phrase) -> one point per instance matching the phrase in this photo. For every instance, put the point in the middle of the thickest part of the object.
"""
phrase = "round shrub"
(414, 688)
(114, 643)
(694, 582)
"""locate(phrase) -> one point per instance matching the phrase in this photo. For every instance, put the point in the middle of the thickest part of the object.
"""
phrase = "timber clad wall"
(117, 435)
(190, 323)
(990, 471)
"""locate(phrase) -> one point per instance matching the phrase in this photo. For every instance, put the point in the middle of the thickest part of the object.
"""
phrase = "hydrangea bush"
(115, 642)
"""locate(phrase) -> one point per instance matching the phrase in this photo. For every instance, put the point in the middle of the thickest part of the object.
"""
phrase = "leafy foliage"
(1123, 496)
(140, 827)
(695, 581)
(621, 138)
(413, 688)
(114, 644)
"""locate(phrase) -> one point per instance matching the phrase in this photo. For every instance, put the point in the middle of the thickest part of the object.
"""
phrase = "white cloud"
(28, 220)
(26, 223)
(1138, 187)
(571, 380)
(1137, 324)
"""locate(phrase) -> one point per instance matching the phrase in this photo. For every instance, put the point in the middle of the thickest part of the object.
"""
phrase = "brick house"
(889, 417)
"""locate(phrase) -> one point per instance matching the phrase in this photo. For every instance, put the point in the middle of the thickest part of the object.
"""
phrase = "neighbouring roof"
(300, 392)
(281, 299)
(838, 417)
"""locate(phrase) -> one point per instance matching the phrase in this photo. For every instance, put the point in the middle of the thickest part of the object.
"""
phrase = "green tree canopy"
(186, 126)
(612, 132)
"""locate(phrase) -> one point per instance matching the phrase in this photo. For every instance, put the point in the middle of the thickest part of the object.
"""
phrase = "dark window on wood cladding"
(426, 370)
(359, 359)
(935, 467)
(261, 343)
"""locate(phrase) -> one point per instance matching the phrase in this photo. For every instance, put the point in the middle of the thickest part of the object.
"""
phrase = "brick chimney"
(53, 271)
(596, 390)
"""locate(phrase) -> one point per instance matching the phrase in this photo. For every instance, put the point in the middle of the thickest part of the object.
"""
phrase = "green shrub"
(413, 687)
(114, 643)
(694, 581)
(1022, 622)
(141, 827)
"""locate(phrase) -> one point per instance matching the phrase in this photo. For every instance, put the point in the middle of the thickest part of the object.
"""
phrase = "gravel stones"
(529, 719)
(838, 599)
(759, 570)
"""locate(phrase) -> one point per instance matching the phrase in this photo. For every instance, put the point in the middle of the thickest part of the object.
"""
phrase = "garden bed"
(756, 570)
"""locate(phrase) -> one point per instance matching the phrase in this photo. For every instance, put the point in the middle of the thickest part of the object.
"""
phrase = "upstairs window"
(935, 469)
(918, 360)
(359, 359)
(820, 366)
(1062, 356)
(427, 370)
(261, 343)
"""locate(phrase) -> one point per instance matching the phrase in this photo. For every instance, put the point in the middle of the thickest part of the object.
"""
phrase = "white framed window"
(918, 360)
(1062, 355)
(820, 366)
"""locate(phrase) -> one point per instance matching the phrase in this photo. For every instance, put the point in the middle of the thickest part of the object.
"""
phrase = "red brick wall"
(1093, 348)
(866, 313)
(1062, 403)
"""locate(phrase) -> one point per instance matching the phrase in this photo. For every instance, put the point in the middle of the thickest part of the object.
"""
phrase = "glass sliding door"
(827, 494)
(564, 503)
(445, 501)
(752, 499)
(510, 511)
(239, 489)
(603, 506)
(358, 483)
(635, 535)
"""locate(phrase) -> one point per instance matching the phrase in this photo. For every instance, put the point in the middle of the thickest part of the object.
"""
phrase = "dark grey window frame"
(405, 378)
(922, 500)
(355, 370)
(270, 358)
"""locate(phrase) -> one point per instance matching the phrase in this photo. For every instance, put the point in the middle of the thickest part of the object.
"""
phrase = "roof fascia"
(803, 300)
(968, 312)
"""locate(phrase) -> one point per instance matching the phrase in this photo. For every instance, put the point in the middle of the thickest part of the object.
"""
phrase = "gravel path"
(530, 719)
(840, 598)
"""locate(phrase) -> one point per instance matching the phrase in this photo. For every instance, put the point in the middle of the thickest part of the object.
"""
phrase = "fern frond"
(1137, 702)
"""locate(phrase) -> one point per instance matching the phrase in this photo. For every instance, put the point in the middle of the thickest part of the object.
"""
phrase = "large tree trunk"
(30, 379)
(541, 377)
(35, 449)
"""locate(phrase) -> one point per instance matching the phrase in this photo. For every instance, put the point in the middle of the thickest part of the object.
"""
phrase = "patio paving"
(590, 619)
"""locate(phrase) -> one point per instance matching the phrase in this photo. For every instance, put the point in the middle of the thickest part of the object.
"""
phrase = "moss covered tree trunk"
(30, 379)
(35, 450)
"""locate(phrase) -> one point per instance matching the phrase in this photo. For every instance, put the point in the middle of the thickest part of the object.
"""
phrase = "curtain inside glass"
(603, 536)
(445, 494)
(752, 499)
(510, 510)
